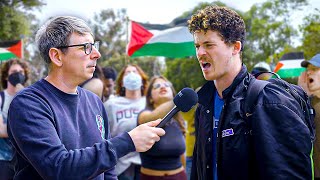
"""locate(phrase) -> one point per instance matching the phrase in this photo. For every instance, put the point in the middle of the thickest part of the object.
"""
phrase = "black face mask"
(16, 78)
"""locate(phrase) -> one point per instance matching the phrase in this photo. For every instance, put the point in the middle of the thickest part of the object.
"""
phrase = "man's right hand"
(145, 135)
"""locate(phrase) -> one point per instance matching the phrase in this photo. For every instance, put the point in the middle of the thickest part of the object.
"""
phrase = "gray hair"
(57, 31)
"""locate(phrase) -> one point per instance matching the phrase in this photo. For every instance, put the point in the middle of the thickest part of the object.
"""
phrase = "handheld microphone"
(183, 101)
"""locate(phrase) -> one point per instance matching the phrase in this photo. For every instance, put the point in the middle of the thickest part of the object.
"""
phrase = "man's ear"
(55, 56)
(236, 47)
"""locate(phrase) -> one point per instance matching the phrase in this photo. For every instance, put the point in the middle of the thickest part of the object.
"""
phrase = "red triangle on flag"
(16, 49)
(278, 66)
(139, 37)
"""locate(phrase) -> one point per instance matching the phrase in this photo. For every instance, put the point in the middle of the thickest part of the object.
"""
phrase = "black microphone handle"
(168, 117)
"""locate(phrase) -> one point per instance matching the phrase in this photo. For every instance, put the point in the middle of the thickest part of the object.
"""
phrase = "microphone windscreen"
(186, 99)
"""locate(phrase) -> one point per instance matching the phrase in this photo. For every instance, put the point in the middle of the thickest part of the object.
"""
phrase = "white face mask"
(132, 81)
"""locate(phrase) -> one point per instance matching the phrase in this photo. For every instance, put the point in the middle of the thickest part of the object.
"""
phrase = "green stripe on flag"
(6, 56)
(167, 50)
(289, 73)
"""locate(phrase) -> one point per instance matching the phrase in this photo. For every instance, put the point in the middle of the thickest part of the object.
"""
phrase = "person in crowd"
(110, 76)
(14, 75)
(166, 158)
(95, 84)
(123, 111)
(60, 130)
(190, 136)
(310, 81)
(276, 145)
(262, 67)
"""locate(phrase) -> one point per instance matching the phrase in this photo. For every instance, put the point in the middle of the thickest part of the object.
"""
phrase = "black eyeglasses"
(86, 46)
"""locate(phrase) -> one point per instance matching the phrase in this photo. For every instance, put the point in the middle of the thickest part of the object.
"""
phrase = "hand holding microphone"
(184, 101)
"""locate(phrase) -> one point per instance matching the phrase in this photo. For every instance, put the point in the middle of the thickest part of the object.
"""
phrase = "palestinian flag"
(289, 65)
(11, 49)
(159, 40)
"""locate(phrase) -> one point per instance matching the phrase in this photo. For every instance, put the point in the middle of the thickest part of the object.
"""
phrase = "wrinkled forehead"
(159, 80)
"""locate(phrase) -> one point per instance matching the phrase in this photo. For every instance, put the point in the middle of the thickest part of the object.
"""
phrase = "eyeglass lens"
(88, 47)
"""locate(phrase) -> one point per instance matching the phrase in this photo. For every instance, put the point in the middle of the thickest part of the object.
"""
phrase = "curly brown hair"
(223, 20)
(5, 70)
(120, 90)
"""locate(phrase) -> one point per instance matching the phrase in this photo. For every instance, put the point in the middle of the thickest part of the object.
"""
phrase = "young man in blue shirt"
(277, 143)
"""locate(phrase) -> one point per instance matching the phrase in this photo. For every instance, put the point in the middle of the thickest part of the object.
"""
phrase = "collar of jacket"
(207, 91)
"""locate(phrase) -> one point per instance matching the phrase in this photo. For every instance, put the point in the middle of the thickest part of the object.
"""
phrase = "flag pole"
(127, 59)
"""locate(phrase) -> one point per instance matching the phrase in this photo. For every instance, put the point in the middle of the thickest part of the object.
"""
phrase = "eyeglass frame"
(96, 45)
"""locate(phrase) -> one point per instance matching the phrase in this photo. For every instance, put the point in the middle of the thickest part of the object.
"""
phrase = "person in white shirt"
(122, 114)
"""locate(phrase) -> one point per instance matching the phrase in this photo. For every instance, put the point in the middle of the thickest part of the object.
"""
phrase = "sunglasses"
(159, 85)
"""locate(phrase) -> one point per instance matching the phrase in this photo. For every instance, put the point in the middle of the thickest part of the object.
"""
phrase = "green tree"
(269, 29)
(15, 18)
(184, 72)
(311, 35)
(18, 22)
(110, 28)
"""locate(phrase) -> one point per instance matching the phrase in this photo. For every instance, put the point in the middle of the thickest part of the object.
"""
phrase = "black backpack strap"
(2, 99)
(254, 89)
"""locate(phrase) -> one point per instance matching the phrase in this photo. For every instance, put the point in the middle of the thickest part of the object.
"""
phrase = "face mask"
(16, 78)
(132, 81)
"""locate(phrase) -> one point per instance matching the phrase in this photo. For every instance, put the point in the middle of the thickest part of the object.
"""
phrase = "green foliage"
(109, 27)
(14, 21)
(269, 30)
(311, 35)
(184, 72)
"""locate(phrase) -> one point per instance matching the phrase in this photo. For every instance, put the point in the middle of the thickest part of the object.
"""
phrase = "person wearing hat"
(309, 80)
(262, 67)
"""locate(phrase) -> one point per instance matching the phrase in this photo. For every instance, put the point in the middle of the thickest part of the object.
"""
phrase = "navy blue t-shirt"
(165, 154)
(62, 136)
(218, 104)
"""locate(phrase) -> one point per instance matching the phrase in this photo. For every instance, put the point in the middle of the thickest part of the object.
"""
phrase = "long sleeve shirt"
(63, 136)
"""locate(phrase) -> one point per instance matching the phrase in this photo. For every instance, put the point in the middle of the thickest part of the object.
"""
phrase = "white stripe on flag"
(288, 64)
(172, 35)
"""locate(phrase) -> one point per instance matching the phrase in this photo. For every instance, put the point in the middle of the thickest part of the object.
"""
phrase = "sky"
(147, 11)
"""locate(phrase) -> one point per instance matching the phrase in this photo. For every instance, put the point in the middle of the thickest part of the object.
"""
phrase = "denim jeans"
(188, 166)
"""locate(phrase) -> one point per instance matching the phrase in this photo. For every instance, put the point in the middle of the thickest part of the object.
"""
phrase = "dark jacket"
(273, 143)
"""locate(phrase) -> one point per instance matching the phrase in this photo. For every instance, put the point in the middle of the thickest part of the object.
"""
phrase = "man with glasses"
(59, 130)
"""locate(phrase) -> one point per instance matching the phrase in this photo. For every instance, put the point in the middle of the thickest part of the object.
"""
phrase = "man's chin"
(208, 78)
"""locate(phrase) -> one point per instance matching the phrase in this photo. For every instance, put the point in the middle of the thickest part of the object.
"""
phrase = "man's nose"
(95, 53)
(201, 51)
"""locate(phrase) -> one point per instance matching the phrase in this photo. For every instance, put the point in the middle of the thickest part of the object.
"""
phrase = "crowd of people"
(84, 121)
